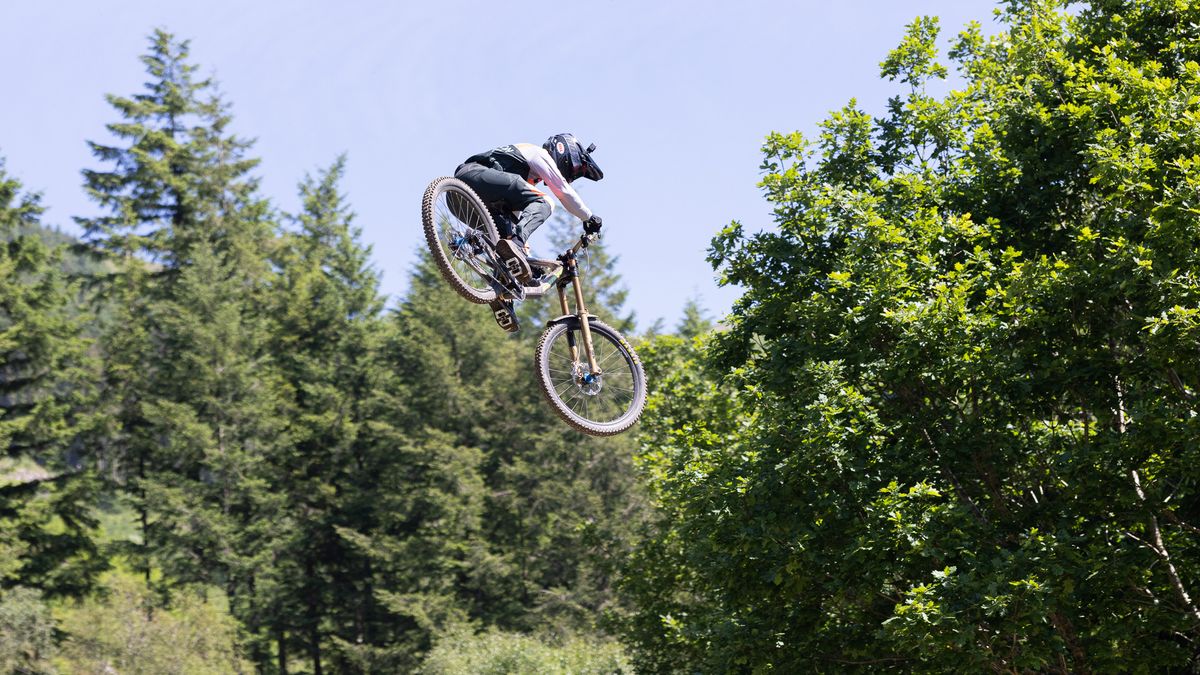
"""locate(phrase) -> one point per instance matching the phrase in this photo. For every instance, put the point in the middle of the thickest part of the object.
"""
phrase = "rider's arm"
(543, 167)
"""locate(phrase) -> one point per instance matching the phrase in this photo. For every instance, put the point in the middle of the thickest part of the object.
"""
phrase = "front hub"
(589, 383)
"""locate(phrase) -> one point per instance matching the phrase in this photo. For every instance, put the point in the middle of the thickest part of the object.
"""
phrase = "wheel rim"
(461, 236)
(602, 399)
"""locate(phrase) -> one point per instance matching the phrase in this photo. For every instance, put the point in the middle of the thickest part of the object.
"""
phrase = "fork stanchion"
(584, 325)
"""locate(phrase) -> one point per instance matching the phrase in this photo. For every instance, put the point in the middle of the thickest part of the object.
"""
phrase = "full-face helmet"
(572, 159)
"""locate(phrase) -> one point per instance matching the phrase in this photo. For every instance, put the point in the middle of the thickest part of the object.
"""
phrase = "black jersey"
(534, 164)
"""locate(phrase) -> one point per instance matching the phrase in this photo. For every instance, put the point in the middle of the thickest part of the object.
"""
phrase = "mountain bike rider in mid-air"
(504, 179)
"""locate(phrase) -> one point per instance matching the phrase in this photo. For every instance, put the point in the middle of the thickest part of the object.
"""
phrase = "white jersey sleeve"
(542, 167)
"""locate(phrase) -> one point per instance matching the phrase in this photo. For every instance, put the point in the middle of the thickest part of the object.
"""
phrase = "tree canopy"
(951, 424)
(959, 422)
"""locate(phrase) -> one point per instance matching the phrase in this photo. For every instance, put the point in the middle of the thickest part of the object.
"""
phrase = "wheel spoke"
(611, 399)
(607, 359)
(459, 239)
(577, 395)
(614, 393)
(567, 386)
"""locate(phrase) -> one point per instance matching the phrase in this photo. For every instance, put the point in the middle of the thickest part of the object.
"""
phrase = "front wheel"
(461, 236)
(600, 405)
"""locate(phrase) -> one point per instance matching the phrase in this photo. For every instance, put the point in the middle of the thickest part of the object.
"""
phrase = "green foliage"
(353, 484)
(181, 178)
(461, 652)
(694, 322)
(47, 393)
(195, 406)
(26, 632)
(326, 342)
(118, 631)
(482, 506)
(691, 413)
(951, 423)
(75, 259)
(215, 410)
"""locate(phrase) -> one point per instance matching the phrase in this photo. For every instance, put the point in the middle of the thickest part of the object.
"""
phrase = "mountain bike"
(587, 370)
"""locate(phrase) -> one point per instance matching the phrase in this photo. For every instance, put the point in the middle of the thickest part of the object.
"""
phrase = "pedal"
(514, 267)
(502, 311)
(541, 268)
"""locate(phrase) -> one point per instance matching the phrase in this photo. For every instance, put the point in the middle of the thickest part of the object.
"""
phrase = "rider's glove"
(592, 225)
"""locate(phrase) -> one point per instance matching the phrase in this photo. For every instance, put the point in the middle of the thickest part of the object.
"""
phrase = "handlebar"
(584, 240)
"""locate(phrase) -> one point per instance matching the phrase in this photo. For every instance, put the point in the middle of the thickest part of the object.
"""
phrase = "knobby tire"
(623, 371)
(471, 207)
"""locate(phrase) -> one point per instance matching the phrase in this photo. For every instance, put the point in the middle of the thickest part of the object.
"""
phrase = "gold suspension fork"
(582, 313)
(585, 325)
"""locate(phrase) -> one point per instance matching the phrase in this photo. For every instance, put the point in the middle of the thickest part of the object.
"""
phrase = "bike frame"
(570, 276)
(462, 239)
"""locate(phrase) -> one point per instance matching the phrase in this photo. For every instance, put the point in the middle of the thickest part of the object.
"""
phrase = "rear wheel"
(461, 236)
(600, 405)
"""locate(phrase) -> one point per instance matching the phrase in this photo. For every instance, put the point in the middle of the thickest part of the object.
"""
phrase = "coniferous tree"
(537, 511)
(195, 398)
(423, 505)
(327, 342)
(181, 178)
(354, 485)
(694, 322)
(47, 485)
(217, 413)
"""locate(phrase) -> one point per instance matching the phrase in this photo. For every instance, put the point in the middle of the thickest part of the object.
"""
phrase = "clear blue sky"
(677, 95)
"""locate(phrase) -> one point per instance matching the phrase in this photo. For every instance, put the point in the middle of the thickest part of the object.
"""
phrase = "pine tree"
(327, 341)
(195, 397)
(533, 549)
(216, 411)
(418, 518)
(47, 485)
(181, 179)
(694, 322)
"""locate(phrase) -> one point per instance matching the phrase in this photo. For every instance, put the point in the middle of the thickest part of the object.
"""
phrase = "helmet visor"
(590, 168)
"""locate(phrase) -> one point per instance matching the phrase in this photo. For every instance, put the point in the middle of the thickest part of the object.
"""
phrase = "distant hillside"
(77, 258)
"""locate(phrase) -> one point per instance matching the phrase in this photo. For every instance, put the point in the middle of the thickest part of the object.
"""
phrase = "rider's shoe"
(513, 258)
(502, 311)
(543, 271)
(542, 275)
(535, 274)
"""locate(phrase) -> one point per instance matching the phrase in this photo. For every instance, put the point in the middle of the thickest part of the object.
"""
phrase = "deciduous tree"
(967, 373)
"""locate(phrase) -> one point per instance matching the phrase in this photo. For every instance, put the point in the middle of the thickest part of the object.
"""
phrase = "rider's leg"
(493, 185)
(503, 218)
(533, 213)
